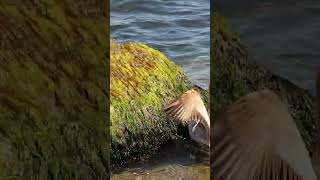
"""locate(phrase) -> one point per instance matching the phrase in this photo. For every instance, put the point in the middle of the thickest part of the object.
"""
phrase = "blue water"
(179, 29)
(282, 35)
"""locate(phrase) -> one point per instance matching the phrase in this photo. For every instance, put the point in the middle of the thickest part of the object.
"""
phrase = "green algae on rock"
(52, 90)
(143, 81)
(234, 73)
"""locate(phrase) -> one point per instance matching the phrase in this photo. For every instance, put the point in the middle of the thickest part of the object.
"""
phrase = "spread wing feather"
(189, 106)
(256, 139)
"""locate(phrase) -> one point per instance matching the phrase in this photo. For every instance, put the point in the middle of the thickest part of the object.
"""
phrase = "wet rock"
(235, 74)
(52, 91)
(143, 81)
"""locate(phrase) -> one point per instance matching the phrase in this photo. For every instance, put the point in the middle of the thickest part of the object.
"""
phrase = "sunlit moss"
(143, 81)
(52, 92)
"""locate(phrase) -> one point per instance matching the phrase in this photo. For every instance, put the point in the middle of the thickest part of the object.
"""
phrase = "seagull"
(189, 108)
(257, 139)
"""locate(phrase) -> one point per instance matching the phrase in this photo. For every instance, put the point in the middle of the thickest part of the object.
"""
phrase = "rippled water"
(179, 160)
(179, 29)
(282, 35)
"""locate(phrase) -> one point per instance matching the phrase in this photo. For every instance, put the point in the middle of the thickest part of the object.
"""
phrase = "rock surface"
(53, 90)
(234, 73)
(143, 82)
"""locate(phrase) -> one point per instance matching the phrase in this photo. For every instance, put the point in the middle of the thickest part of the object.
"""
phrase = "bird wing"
(189, 106)
(256, 139)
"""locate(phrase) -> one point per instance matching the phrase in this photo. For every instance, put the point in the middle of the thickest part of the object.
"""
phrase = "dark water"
(282, 35)
(179, 29)
(179, 160)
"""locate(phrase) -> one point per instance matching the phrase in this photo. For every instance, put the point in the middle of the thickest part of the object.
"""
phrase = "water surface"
(178, 160)
(179, 29)
(282, 35)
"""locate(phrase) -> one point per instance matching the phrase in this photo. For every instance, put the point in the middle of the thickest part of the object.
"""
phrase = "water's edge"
(179, 159)
(179, 29)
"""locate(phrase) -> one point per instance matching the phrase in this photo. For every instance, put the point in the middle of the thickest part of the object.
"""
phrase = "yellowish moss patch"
(143, 81)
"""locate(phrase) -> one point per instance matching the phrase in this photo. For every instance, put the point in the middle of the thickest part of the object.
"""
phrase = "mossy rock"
(143, 81)
(234, 74)
(53, 90)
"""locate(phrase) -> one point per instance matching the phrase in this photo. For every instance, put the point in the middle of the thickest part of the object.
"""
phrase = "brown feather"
(257, 139)
(274, 168)
(189, 106)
